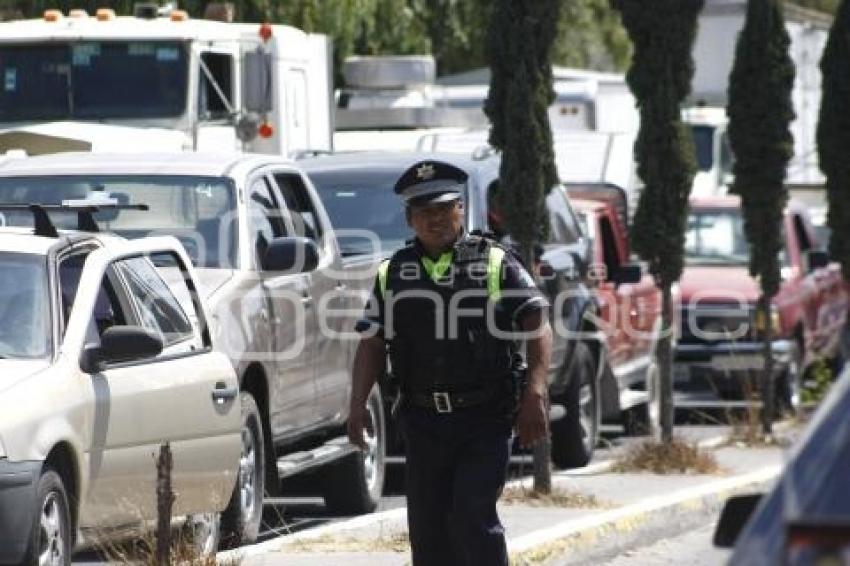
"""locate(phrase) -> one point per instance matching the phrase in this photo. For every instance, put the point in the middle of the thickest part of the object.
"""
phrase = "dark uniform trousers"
(455, 472)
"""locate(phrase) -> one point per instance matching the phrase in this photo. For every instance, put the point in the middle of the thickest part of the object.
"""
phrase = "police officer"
(447, 308)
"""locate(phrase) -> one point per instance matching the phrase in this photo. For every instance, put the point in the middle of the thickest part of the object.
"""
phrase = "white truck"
(159, 80)
(714, 52)
(397, 103)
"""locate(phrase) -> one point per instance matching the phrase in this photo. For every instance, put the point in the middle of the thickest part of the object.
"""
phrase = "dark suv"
(357, 190)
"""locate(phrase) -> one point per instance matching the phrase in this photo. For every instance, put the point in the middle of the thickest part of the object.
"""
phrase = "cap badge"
(425, 172)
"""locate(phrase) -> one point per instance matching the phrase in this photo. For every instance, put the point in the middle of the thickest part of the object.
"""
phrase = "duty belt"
(448, 401)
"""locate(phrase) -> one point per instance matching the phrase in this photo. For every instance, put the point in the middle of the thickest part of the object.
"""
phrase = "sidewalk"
(619, 511)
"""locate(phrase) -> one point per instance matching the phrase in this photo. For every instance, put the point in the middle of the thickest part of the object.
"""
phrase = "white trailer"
(188, 84)
(714, 51)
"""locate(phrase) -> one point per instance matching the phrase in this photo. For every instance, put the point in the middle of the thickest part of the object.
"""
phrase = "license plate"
(738, 363)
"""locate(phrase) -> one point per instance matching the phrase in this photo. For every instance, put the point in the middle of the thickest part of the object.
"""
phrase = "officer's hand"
(531, 421)
(356, 424)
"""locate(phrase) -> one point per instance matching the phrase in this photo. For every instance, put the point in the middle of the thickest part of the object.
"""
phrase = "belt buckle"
(442, 402)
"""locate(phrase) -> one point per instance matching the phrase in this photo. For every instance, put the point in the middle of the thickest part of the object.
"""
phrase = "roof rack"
(85, 214)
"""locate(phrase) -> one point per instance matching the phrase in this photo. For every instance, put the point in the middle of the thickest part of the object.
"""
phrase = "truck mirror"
(290, 255)
(257, 87)
(628, 273)
(816, 259)
(736, 512)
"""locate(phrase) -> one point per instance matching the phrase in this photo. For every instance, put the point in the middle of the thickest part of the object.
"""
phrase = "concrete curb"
(577, 536)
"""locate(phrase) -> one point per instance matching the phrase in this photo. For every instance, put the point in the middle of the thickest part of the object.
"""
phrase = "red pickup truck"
(629, 304)
(719, 351)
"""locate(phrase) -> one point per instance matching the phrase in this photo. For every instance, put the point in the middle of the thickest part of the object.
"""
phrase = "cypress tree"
(662, 33)
(760, 112)
(833, 135)
(521, 90)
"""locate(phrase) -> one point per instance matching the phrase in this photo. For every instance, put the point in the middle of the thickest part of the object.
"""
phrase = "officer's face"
(436, 225)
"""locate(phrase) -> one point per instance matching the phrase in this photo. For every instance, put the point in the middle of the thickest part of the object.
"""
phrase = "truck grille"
(712, 324)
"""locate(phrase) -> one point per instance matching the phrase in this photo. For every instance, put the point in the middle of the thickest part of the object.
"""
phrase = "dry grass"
(678, 457)
(559, 497)
(140, 550)
(395, 541)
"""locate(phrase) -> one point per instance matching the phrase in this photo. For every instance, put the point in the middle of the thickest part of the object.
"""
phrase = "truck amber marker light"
(105, 14)
(52, 15)
(265, 130)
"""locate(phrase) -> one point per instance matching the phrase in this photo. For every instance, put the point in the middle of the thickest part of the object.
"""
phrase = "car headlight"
(759, 320)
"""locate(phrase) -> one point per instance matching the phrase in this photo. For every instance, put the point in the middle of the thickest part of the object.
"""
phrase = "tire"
(203, 533)
(574, 436)
(354, 484)
(789, 385)
(50, 541)
(240, 521)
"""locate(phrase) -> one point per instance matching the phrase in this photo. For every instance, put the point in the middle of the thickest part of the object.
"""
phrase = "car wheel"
(202, 531)
(574, 436)
(354, 484)
(50, 543)
(240, 522)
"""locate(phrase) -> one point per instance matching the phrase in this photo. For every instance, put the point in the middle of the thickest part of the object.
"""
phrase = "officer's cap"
(430, 182)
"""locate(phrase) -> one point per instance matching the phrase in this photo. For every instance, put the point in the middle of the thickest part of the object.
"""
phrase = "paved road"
(693, 548)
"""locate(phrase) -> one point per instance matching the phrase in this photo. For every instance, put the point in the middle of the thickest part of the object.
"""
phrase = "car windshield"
(716, 236)
(199, 211)
(363, 200)
(24, 306)
(93, 80)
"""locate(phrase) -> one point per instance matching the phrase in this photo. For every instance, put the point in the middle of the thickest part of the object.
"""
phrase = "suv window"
(564, 228)
(264, 217)
(609, 247)
(157, 307)
(304, 218)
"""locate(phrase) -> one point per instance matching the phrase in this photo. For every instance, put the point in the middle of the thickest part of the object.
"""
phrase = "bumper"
(726, 368)
(18, 484)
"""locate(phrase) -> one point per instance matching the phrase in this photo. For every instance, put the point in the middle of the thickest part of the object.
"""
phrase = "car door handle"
(222, 394)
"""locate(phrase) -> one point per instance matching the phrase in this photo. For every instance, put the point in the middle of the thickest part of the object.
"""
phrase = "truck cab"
(162, 81)
(719, 354)
(629, 302)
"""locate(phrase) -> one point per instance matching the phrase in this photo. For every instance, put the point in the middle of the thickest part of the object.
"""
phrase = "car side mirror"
(736, 512)
(121, 344)
(816, 259)
(291, 255)
(628, 273)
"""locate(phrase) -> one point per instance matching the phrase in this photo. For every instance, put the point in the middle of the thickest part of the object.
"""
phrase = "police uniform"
(447, 323)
